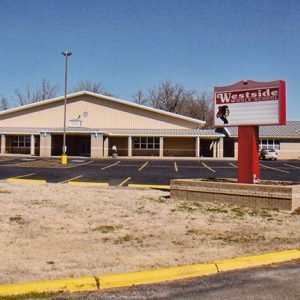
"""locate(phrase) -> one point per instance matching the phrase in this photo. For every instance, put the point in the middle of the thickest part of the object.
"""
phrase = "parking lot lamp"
(64, 158)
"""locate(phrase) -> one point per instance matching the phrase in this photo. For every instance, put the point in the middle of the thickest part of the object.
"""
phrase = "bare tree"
(94, 87)
(140, 98)
(30, 95)
(4, 103)
(170, 97)
(201, 107)
(175, 98)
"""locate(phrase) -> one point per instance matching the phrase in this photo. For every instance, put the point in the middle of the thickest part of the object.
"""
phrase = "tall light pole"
(64, 158)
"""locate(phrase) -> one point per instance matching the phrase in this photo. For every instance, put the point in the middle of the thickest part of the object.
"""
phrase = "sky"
(131, 45)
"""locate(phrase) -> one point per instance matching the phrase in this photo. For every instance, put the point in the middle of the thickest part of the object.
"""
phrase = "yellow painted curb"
(144, 277)
(64, 285)
(149, 186)
(89, 183)
(257, 260)
(26, 180)
(151, 276)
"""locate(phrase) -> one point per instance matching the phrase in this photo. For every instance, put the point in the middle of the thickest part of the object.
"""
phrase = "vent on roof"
(75, 123)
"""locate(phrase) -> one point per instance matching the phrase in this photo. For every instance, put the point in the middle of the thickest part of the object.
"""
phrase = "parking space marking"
(78, 165)
(124, 181)
(235, 166)
(143, 166)
(292, 166)
(109, 166)
(71, 179)
(208, 167)
(279, 170)
(22, 176)
(175, 166)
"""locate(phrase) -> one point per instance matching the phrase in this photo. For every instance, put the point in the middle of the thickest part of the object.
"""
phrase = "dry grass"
(55, 231)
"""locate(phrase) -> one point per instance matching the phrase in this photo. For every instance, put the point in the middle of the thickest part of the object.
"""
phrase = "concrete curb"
(89, 183)
(20, 180)
(149, 186)
(144, 277)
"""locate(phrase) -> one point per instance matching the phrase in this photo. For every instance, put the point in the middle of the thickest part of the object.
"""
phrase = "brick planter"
(281, 197)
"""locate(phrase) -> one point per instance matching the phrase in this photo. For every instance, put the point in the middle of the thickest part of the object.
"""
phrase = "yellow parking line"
(71, 179)
(292, 166)
(124, 181)
(175, 166)
(26, 180)
(110, 165)
(104, 184)
(208, 167)
(24, 175)
(149, 186)
(279, 170)
(143, 166)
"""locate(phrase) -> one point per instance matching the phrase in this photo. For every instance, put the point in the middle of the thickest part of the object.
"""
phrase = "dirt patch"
(55, 231)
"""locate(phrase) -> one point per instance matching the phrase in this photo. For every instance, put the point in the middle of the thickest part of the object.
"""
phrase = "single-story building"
(96, 123)
(285, 139)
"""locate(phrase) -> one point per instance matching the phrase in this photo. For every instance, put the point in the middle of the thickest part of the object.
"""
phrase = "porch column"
(129, 146)
(96, 145)
(197, 146)
(3, 143)
(161, 146)
(32, 145)
(236, 151)
(215, 152)
(221, 147)
(45, 144)
(105, 146)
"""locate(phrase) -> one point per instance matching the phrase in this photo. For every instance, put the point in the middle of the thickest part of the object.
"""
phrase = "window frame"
(145, 143)
(268, 144)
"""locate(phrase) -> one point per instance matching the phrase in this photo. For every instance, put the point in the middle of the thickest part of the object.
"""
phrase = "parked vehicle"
(270, 154)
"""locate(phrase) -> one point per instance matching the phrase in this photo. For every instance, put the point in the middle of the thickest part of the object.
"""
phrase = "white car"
(268, 154)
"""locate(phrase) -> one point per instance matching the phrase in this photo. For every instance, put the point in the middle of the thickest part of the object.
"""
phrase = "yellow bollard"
(64, 159)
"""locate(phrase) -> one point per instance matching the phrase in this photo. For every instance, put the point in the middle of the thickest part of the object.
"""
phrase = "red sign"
(251, 103)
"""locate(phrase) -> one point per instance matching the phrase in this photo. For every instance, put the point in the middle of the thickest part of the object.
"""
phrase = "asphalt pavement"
(273, 282)
(119, 172)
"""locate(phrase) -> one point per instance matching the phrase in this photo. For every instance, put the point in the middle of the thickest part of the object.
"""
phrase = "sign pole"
(248, 157)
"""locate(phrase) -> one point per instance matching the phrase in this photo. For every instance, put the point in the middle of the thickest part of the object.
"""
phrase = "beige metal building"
(96, 123)
(284, 139)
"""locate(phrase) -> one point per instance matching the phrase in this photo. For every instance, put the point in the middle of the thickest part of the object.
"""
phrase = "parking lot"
(118, 172)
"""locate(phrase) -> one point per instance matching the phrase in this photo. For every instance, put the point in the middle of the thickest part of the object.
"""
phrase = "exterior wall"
(145, 152)
(289, 149)
(121, 143)
(180, 147)
(101, 114)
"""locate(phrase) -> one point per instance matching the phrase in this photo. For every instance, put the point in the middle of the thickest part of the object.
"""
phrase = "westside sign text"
(247, 96)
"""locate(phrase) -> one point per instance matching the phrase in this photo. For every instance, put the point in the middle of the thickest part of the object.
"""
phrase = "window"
(146, 143)
(269, 144)
(75, 123)
(21, 141)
